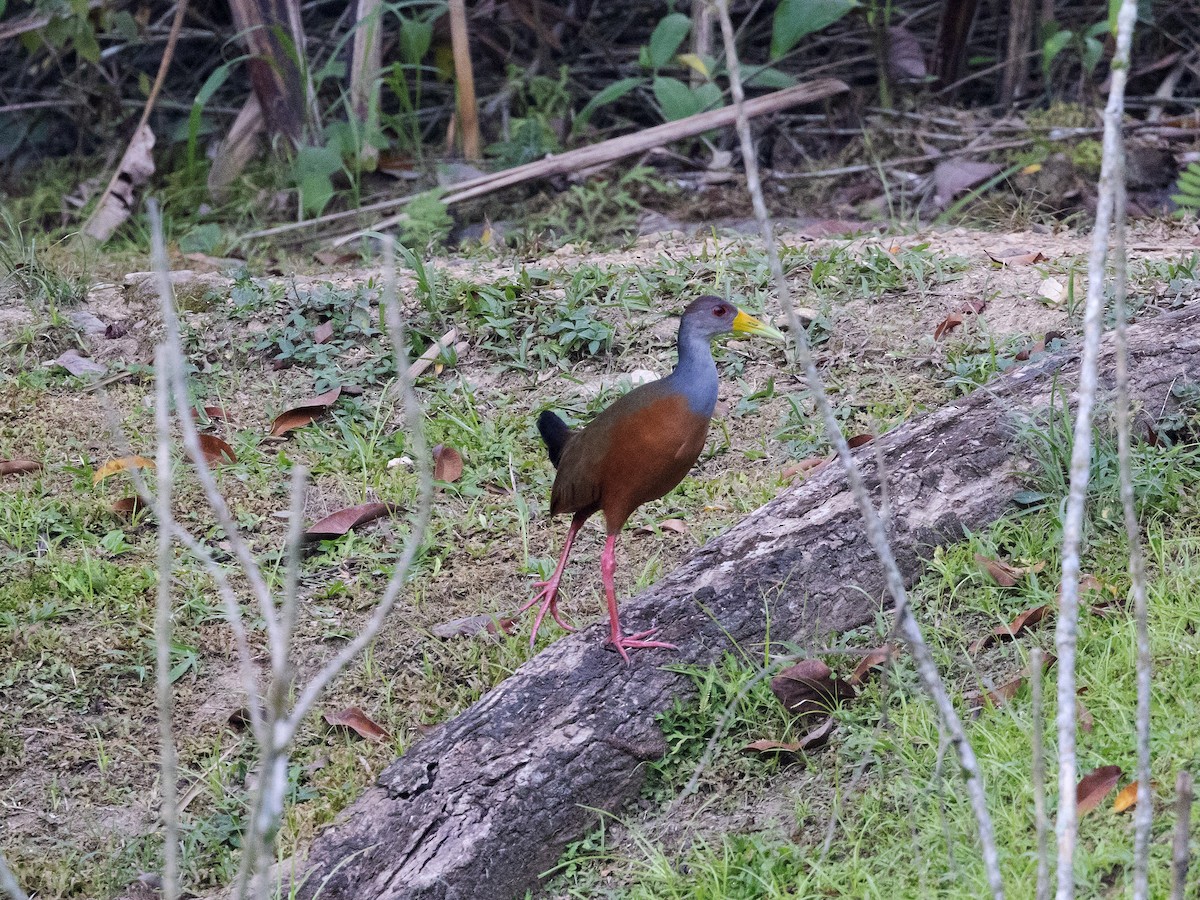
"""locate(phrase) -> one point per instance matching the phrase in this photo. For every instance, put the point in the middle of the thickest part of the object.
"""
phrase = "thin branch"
(1137, 571)
(412, 414)
(168, 761)
(1066, 633)
(1036, 662)
(191, 439)
(875, 528)
(1181, 853)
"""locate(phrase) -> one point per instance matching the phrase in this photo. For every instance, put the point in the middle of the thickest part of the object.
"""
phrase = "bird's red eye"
(720, 310)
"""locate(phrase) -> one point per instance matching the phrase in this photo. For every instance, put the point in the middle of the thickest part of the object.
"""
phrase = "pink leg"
(623, 642)
(548, 596)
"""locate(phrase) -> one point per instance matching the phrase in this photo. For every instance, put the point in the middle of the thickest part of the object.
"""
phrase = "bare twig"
(1181, 854)
(876, 530)
(1137, 570)
(1042, 823)
(432, 352)
(168, 762)
(1066, 633)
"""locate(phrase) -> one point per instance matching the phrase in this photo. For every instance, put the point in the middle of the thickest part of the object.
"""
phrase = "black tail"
(554, 432)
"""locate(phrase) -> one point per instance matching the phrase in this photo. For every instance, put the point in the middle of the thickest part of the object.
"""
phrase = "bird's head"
(711, 316)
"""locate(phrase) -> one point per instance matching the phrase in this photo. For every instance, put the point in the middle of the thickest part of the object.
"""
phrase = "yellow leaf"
(1031, 169)
(692, 61)
(1127, 799)
(120, 464)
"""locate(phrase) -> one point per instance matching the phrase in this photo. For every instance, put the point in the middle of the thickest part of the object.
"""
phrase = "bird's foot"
(548, 597)
(624, 642)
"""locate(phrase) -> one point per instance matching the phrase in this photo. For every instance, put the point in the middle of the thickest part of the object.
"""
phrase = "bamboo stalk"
(464, 77)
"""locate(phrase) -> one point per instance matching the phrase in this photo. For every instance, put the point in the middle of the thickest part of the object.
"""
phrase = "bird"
(635, 451)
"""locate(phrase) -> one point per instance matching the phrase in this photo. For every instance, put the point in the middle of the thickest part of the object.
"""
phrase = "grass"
(77, 735)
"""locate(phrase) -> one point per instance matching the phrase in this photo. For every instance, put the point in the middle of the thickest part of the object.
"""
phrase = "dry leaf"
(447, 464)
(777, 748)
(675, 526)
(473, 625)
(120, 196)
(323, 332)
(810, 688)
(814, 740)
(334, 258)
(19, 466)
(217, 414)
(1019, 258)
(339, 523)
(858, 440)
(947, 325)
(215, 450)
(1053, 291)
(875, 659)
(120, 464)
(128, 507)
(805, 465)
(905, 59)
(1094, 787)
(360, 723)
(304, 412)
(78, 365)
(1084, 716)
(1022, 623)
(974, 307)
(953, 176)
(1006, 574)
(1038, 346)
(1127, 797)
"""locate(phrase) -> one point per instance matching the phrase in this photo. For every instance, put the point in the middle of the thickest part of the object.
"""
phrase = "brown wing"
(635, 451)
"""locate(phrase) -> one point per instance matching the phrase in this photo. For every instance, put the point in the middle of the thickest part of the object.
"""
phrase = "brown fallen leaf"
(1019, 258)
(974, 307)
(217, 413)
(304, 412)
(323, 332)
(858, 440)
(470, 626)
(675, 526)
(1005, 574)
(19, 466)
(874, 660)
(360, 723)
(809, 688)
(128, 507)
(1094, 787)
(1022, 623)
(1084, 716)
(121, 464)
(947, 325)
(447, 464)
(216, 451)
(1000, 695)
(334, 258)
(1033, 349)
(815, 739)
(805, 465)
(1126, 798)
(337, 524)
(777, 748)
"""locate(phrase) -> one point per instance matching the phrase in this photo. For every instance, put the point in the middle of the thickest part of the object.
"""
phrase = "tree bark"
(483, 806)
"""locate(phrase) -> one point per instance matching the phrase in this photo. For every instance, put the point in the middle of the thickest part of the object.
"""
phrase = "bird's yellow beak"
(744, 323)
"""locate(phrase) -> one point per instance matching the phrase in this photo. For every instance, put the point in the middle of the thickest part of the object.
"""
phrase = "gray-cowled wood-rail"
(637, 450)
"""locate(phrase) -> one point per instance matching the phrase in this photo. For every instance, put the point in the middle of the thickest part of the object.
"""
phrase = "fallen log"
(483, 806)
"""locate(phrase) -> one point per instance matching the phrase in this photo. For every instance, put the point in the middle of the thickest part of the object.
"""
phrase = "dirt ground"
(78, 765)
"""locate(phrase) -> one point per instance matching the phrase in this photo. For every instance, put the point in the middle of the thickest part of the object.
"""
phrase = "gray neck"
(695, 375)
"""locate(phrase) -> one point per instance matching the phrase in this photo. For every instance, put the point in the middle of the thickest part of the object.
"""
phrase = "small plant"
(541, 101)
(1187, 189)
